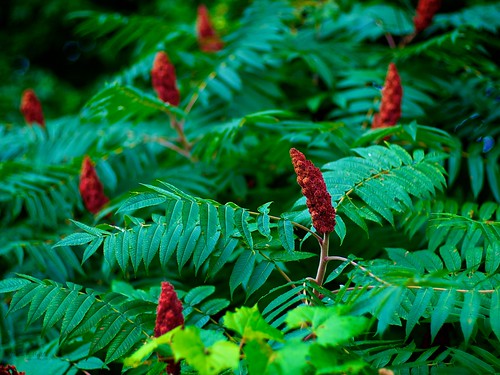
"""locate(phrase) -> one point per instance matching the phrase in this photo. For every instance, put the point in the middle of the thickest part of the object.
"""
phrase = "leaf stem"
(481, 291)
(165, 143)
(280, 270)
(179, 128)
(368, 272)
(196, 95)
(295, 224)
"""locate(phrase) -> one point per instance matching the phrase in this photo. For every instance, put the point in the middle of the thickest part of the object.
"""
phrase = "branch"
(481, 291)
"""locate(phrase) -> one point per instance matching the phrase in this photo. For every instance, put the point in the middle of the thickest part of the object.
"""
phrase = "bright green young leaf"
(258, 355)
(327, 324)
(141, 354)
(289, 359)
(249, 323)
(187, 344)
(328, 360)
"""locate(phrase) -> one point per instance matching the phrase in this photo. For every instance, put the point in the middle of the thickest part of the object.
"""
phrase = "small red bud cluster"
(168, 316)
(392, 95)
(314, 189)
(91, 188)
(10, 370)
(164, 79)
(208, 39)
(425, 12)
(31, 108)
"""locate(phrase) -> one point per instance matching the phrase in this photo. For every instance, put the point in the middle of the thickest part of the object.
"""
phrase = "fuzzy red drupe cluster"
(208, 39)
(31, 108)
(314, 189)
(392, 95)
(91, 188)
(168, 316)
(426, 9)
(10, 370)
(164, 79)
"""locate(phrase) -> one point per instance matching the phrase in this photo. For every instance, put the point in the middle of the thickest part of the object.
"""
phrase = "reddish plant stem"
(179, 128)
(407, 39)
(390, 40)
(323, 260)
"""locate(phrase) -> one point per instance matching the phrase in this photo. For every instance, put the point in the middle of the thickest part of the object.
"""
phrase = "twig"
(390, 40)
(163, 142)
(179, 128)
(196, 95)
(280, 270)
(407, 39)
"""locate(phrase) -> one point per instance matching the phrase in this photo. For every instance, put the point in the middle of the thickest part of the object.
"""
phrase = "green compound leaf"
(249, 323)
(240, 219)
(149, 347)
(207, 360)
(128, 336)
(326, 361)
(285, 231)
(139, 201)
(470, 313)
(442, 310)
(11, 285)
(327, 324)
(263, 220)
(76, 239)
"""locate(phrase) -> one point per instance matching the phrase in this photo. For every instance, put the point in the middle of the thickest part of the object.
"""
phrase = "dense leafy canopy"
(204, 194)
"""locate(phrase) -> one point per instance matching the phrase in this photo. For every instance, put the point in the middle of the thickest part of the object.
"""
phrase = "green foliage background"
(413, 284)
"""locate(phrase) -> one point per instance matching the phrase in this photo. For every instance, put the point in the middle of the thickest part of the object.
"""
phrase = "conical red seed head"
(169, 310)
(91, 188)
(208, 39)
(168, 316)
(319, 201)
(164, 80)
(392, 95)
(31, 108)
(203, 24)
(426, 9)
